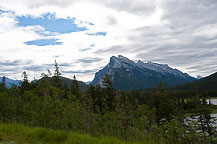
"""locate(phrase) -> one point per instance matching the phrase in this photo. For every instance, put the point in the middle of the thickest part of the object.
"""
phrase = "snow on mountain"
(121, 61)
(135, 75)
(162, 68)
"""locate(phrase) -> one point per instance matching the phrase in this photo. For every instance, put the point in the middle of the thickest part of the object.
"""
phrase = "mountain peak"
(140, 62)
(117, 62)
(129, 75)
(149, 62)
(122, 57)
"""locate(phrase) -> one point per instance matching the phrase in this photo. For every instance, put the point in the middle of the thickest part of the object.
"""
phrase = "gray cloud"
(116, 49)
(190, 13)
(111, 20)
(14, 63)
(36, 68)
(80, 72)
(88, 60)
(188, 40)
(139, 7)
(15, 67)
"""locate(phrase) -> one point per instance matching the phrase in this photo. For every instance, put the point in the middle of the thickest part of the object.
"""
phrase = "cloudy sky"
(83, 34)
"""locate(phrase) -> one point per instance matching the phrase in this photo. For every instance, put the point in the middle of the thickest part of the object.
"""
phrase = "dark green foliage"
(74, 89)
(81, 85)
(110, 92)
(55, 80)
(207, 83)
(25, 85)
(57, 69)
(159, 115)
(163, 104)
(3, 84)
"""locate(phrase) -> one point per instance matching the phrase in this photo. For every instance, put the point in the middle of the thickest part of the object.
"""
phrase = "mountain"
(199, 77)
(206, 83)
(88, 82)
(129, 75)
(9, 82)
(82, 86)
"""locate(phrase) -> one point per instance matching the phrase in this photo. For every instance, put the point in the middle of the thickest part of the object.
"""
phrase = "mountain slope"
(206, 83)
(9, 82)
(82, 86)
(129, 75)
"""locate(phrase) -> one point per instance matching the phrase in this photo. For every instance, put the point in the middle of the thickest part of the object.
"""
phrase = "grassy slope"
(20, 134)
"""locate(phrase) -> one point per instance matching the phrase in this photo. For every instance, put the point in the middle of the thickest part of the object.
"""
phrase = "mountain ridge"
(9, 82)
(129, 75)
(205, 83)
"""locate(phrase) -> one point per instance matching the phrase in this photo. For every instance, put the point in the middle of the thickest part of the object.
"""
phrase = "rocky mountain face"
(129, 75)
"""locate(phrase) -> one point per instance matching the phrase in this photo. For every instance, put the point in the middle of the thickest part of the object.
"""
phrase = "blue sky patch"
(44, 42)
(86, 49)
(50, 23)
(93, 45)
(57, 56)
(1, 11)
(97, 33)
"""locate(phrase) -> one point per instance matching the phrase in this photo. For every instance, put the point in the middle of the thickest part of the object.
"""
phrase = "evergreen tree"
(3, 82)
(57, 69)
(163, 104)
(56, 78)
(97, 96)
(75, 88)
(25, 85)
(110, 92)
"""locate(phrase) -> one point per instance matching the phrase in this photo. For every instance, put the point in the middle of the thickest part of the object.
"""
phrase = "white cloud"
(149, 30)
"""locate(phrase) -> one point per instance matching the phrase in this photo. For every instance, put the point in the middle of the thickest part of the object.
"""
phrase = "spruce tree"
(110, 92)
(25, 85)
(57, 69)
(74, 88)
(3, 82)
(56, 78)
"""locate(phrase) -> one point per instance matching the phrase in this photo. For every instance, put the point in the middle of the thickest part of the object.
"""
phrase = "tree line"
(161, 115)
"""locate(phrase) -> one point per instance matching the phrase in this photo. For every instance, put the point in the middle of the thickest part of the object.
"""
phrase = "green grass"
(211, 98)
(20, 134)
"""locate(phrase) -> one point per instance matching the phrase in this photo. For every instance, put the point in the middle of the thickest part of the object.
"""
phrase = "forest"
(157, 115)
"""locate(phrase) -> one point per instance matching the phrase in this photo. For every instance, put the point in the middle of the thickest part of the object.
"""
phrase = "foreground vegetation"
(17, 133)
(155, 116)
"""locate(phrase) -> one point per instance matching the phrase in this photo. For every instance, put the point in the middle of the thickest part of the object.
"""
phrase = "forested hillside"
(206, 83)
(157, 116)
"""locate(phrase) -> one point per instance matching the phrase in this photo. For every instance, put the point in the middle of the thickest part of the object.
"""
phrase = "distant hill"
(9, 82)
(82, 86)
(206, 83)
(129, 75)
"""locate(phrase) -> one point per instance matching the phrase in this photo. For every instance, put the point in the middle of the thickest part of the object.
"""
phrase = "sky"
(82, 35)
